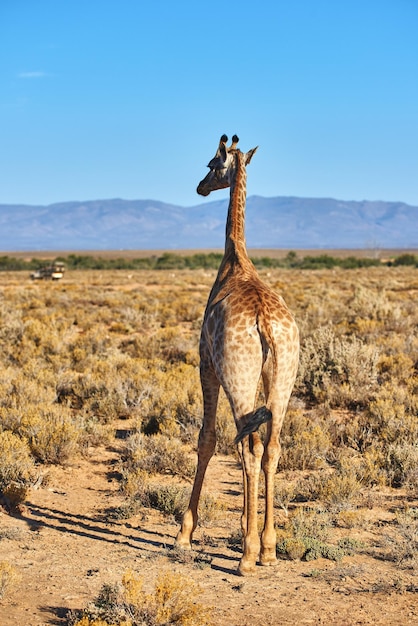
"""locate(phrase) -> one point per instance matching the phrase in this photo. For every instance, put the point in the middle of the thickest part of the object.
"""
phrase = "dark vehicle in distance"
(49, 272)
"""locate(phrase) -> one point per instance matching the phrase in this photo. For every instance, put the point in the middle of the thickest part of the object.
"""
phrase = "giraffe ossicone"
(248, 334)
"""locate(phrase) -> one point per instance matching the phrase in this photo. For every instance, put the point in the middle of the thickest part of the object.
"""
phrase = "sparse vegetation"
(211, 260)
(305, 536)
(105, 351)
(403, 545)
(173, 601)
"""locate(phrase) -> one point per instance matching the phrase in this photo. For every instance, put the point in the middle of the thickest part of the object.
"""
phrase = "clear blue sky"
(128, 98)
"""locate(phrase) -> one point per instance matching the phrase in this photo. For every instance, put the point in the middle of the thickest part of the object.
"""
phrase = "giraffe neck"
(235, 246)
(235, 262)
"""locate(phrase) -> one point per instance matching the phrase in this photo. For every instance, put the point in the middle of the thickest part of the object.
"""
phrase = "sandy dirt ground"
(65, 546)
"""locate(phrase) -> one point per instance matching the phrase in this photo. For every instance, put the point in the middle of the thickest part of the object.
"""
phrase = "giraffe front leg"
(207, 443)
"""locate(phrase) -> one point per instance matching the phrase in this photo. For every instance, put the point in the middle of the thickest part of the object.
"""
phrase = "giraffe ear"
(250, 155)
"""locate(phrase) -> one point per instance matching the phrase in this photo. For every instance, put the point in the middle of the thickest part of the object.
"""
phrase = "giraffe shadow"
(83, 526)
(225, 570)
(56, 615)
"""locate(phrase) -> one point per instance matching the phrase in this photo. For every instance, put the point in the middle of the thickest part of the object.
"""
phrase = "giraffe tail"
(260, 416)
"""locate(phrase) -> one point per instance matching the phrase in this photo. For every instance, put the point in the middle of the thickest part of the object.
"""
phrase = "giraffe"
(247, 334)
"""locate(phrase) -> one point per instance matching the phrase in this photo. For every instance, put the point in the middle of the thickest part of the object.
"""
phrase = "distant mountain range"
(280, 222)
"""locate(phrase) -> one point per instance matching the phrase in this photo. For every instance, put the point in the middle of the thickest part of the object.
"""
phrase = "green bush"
(406, 259)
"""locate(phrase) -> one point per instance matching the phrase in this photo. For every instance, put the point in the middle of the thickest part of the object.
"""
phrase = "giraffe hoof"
(246, 568)
(181, 543)
(267, 561)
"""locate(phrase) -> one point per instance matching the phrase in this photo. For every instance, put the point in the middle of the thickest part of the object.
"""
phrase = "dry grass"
(9, 577)
(105, 345)
(81, 355)
(173, 601)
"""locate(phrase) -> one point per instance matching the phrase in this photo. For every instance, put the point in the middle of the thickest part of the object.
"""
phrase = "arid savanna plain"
(100, 410)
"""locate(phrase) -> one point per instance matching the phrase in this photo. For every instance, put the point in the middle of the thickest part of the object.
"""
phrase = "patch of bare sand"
(66, 547)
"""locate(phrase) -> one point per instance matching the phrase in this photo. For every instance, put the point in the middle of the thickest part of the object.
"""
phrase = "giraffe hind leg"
(270, 459)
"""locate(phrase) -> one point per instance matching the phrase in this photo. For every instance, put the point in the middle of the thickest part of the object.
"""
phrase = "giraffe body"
(247, 334)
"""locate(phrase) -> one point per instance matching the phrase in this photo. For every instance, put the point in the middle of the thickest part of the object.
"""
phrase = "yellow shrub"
(398, 366)
(16, 464)
(8, 577)
(175, 601)
(51, 433)
(306, 442)
(294, 548)
(340, 489)
(351, 518)
(339, 371)
(158, 454)
(132, 584)
(392, 414)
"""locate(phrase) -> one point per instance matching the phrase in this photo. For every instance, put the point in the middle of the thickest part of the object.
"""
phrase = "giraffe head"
(222, 167)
